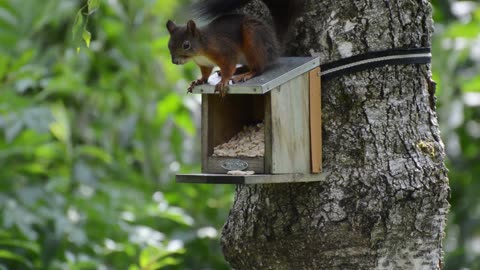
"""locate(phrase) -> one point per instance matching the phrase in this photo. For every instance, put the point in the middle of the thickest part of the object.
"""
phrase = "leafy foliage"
(91, 139)
(456, 66)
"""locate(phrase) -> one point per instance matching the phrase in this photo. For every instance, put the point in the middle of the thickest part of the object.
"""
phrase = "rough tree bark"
(384, 203)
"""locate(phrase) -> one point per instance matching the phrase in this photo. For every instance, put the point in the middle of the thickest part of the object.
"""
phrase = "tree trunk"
(384, 203)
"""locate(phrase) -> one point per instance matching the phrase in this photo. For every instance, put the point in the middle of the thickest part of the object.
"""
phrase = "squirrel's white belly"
(203, 61)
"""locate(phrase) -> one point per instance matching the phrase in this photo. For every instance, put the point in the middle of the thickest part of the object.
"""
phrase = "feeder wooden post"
(316, 119)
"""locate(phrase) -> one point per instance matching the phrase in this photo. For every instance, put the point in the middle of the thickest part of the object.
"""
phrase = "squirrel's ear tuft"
(191, 27)
(171, 26)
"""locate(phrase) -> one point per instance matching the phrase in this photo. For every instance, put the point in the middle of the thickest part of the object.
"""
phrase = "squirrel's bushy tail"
(284, 12)
(214, 8)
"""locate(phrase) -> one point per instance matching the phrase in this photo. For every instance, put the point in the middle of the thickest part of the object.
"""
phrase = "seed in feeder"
(248, 142)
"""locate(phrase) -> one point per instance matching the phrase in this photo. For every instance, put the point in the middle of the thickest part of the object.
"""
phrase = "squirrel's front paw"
(221, 88)
(195, 83)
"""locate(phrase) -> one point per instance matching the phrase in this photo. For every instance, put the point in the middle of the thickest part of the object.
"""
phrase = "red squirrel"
(231, 39)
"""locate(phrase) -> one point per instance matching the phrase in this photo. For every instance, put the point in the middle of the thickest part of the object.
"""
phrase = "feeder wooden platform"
(205, 178)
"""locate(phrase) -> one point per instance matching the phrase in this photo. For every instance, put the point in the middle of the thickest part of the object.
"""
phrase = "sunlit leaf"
(168, 261)
(166, 7)
(460, 30)
(35, 168)
(152, 258)
(48, 151)
(148, 256)
(472, 85)
(86, 37)
(167, 106)
(476, 14)
(184, 121)
(61, 127)
(113, 28)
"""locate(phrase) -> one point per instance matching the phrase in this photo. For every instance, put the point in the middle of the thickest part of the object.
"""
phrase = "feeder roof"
(283, 70)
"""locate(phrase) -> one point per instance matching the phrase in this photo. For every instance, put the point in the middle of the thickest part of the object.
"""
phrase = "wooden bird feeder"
(286, 98)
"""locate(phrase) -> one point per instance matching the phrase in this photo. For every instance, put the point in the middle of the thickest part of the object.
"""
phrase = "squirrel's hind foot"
(243, 77)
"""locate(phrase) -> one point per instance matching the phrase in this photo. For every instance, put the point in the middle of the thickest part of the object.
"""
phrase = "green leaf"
(4, 68)
(184, 121)
(152, 258)
(168, 106)
(77, 24)
(25, 58)
(93, 6)
(166, 7)
(48, 151)
(7, 255)
(476, 14)
(167, 261)
(472, 85)
(86, 37)
(7, 17)
(31, 246)
(148, 256)
(94, 152)
(61, 127)
(461, 30)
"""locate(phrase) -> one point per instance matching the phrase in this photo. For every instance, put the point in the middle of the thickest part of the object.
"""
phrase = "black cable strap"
(375, 59)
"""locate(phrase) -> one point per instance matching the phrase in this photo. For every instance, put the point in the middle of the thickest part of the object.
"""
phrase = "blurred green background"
(91, 138)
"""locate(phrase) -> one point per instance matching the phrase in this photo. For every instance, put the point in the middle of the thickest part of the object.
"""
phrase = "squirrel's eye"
(186, 45)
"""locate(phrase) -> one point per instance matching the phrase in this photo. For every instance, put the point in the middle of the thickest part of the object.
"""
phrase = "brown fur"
(225, 42)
